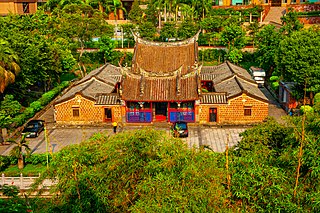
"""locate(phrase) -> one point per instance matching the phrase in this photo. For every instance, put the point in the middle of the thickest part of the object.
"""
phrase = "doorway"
(161, 110)
(213, 115)
(276, 3)
(107, 114)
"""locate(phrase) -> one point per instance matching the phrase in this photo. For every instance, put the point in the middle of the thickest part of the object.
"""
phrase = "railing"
(139, 116)
(25, 183)
(179, 115)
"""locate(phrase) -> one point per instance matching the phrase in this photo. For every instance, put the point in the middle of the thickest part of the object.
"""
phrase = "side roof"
(233, 80)
(99, 81)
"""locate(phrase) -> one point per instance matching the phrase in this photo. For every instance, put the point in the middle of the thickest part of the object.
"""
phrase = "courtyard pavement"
(214, 137)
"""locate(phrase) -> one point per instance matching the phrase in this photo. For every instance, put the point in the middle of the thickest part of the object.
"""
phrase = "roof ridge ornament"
(187, 41)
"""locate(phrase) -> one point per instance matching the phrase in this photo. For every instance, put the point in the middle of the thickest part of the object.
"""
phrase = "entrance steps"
(275, 14)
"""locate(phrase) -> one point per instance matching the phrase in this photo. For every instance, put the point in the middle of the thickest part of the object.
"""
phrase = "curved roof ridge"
(166, 44)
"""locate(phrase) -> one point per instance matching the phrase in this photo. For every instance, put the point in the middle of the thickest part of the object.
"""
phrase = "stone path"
(215, 138)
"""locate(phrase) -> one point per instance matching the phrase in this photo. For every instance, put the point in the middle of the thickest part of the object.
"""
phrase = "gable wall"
(233, 112)
(88, 112)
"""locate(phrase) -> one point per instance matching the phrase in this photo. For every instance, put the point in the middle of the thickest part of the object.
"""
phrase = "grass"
(28, 170)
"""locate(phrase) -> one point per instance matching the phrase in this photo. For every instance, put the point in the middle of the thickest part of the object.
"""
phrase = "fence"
(25, 183)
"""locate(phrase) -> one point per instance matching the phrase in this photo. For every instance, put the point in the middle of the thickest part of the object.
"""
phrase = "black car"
(180, 129)
(33, 128)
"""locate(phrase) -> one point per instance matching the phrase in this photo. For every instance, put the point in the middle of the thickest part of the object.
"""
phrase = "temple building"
(164, 84)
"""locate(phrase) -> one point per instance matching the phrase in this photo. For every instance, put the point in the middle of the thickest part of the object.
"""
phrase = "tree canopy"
(298, 59)
(141, 171)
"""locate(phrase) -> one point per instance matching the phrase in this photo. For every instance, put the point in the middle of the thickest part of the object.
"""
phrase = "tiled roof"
(99, 81)
(231, 79)
(230, 86)
(159, 89)
(108, 99)
(164, 59)
(213, 98)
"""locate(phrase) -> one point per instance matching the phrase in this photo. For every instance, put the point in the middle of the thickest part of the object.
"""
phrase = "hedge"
(36, 106)
(34, 159)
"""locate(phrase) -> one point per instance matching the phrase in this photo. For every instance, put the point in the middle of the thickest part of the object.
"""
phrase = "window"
(247, 111)
(75, 112)
(25, 6)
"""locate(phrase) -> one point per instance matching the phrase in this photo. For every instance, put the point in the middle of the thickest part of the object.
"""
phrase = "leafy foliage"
(267, 40)
(137, 171)
(298, 64)
(9, 108)
(264, 164)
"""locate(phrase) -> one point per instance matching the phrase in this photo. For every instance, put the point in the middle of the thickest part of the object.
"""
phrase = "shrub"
(306, 109)
(317, 98)
(35, 159)
(36, 105)
(4, 162)
(19, 120)
(275, 85)
(274, 78)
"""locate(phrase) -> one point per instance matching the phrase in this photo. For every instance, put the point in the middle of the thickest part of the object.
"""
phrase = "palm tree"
(17, 151)
(9, 67)
(114, 6)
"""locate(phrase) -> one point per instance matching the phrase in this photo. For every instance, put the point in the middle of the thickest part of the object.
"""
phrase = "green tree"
(253, 29)
(136, 13)
(106, 46)
(268, 40)
(141, 171)
(290, 22)
(83, 23)
(235, 55)
(233, 37)
(147, 30)
(17, 150)
(8, 109)
(298, 59)
(264, 164)
(187, 29)
(168, 31)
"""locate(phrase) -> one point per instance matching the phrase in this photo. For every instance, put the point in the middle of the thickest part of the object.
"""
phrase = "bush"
(36, 105)
(317, 98)
(274, 78)
(36, 159)
(306, 109)
(275, 85)
(4, 162)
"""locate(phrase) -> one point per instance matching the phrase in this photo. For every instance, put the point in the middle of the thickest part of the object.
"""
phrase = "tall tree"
(298, 59)
(233, 36)
(267, 41)
(82, 23)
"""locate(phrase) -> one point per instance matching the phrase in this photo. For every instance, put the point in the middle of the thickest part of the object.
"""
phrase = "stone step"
(275, 14)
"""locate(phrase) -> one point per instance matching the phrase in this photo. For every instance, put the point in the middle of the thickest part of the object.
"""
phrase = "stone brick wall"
(117, 113)
(88, 113)
(233, 112)
(309, 20)
(304, 7)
